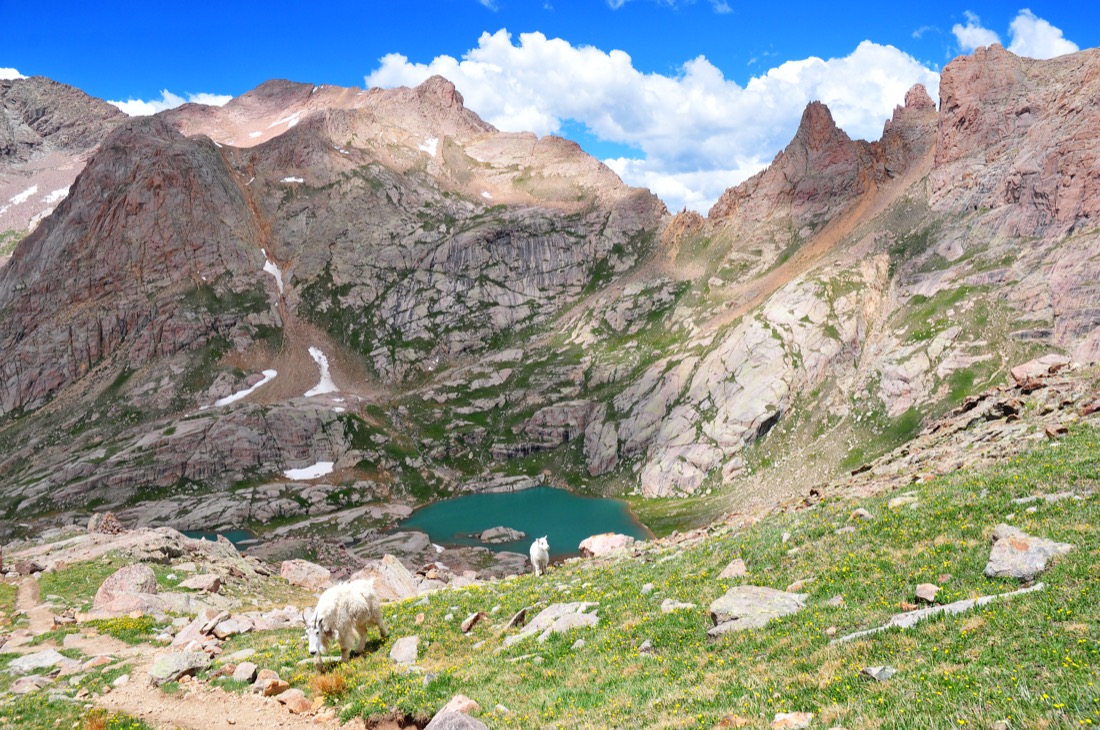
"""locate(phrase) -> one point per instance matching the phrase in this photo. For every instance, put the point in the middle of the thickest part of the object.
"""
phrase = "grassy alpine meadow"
(1032, 660)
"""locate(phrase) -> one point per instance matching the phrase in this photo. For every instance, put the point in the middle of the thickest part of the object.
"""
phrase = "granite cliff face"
(381, 282)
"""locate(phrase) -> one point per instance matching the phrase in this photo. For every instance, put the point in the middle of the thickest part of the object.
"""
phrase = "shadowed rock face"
(153, 217)
(39, 115)
(47, 129)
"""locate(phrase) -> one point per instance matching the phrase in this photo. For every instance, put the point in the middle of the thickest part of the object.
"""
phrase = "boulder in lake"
(498, 535)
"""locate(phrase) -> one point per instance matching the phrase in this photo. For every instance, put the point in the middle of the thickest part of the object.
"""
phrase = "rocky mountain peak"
(818, 131)
(918, 98)
(442, 91)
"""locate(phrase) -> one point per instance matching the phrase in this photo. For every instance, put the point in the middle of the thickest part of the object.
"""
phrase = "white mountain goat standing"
(343, 614)
(540, 555)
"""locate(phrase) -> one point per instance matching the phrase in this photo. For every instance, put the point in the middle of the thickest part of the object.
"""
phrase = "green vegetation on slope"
(1032, 661)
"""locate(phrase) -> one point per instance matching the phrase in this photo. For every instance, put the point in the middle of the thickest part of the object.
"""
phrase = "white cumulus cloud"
(10, 73)
(1030, 36)
(697, 132)
(973, 35)
(168, 100)
(1036, 38)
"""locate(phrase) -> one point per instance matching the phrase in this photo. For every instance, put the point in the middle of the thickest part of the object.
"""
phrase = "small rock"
(449, 617)
(275, 687)
(405, 650)
(831, 631)
(670, 605)
(647, 589)
(879, 674)
(785, 537)
(846, 530)
(208, 582)
(646, 647)
(121, 680)
(903, 501)
(245, 672)
(420, 618)
(860, 515)
(836, 601)
(461, 703)
(501, 710)
(472, 621)
(736, 569)
(798, 585)
(792, 720)
(927, 592)
(733, 721)
(578, 644)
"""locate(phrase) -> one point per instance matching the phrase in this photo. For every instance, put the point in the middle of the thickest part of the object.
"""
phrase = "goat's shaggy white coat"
(343, 614)
(540, 555)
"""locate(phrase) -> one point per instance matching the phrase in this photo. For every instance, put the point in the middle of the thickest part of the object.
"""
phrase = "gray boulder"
(455, 721)
(137, 578)
(751, 607)
(1016, 554)
(170, 667)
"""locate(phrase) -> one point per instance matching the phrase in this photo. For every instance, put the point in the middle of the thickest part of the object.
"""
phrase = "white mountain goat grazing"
(540, 555)
(342, 615)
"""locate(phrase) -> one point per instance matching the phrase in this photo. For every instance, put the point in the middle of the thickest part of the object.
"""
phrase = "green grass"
(1033, 661)
(9, 240)
(7, 603)
(132, 631)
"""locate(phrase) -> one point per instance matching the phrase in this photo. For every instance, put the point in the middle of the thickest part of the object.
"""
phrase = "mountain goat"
(540, 555)
(343, 614)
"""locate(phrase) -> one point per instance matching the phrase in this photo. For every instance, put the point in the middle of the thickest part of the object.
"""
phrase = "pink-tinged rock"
(736, 569)
(472, 621)
(308, 575)
(1040, 366)
(461, 703)
(98, 661)
(792, 720)
(295, 701)
(392, 580)
(927, 592)
(209, 582)
(137, 578)
(608, 542)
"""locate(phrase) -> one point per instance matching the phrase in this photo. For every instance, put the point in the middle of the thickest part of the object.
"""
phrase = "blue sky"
(686, 97)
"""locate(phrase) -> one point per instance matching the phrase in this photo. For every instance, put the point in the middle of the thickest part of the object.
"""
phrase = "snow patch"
(288, 121)
(293, 180)
(273, 268)
(269, 375)
(485, 194)
(217, 144)
(24, 196)
(429, 146)
(320, 469)
(339, 409)
(254, 135)
(56, 196)
(325, 385)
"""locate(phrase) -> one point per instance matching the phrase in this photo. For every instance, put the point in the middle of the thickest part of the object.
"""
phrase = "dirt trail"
(27, 599)
(201, 707)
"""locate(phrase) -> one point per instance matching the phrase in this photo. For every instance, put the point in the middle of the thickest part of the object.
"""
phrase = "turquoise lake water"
(565, 518)
(234, 536)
